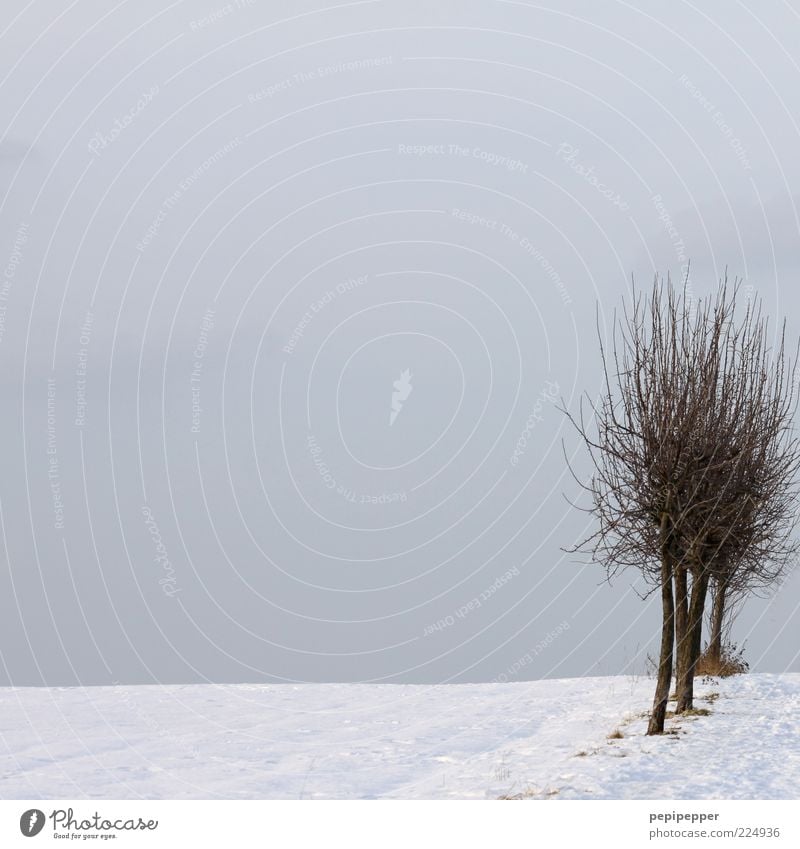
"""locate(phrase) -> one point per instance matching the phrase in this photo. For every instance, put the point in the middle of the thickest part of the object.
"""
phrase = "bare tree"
(725, 603)
(716, 624)
(745, 525)
(693, 460)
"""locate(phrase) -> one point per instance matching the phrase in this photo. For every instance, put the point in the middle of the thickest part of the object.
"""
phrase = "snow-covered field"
(542, 739)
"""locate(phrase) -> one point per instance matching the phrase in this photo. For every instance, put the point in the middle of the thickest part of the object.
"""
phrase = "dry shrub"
(730, 662)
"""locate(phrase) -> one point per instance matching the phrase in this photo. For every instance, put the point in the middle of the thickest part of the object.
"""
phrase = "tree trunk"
(685, 683)
(682, 638)
(717, 619)
(659, 714)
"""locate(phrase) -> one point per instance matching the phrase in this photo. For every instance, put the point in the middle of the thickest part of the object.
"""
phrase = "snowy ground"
(543, 739)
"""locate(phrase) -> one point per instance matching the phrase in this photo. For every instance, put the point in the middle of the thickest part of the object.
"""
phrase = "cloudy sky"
(289, 298)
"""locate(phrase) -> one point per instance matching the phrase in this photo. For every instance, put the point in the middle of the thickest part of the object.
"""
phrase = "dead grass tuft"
(527, 793)
(730, 662)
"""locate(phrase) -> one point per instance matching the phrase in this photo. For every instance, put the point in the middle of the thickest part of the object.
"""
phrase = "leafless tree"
(693, 460)
(726, 601)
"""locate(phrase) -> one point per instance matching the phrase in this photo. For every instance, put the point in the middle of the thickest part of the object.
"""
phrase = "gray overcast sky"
(288, 291)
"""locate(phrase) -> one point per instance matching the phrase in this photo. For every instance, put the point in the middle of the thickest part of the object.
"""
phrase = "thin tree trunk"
(685, 684)
(717, 619)
(657, 717)
(682, 638)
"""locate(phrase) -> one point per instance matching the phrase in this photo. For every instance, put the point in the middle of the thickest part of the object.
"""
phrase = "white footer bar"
(401, 824)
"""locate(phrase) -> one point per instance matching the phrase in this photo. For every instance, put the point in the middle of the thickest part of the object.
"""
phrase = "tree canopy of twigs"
(694, 459)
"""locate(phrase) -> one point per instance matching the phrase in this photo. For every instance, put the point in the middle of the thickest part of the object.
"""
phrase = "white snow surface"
(535, 740)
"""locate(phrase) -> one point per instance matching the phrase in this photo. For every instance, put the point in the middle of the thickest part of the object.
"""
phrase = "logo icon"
(402, 389)
(31, 822)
